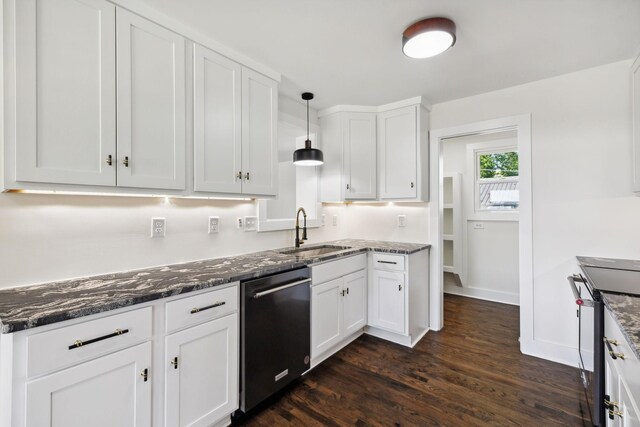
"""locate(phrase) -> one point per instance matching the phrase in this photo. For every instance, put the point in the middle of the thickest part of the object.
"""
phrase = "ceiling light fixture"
(428, 37)
(307, 156)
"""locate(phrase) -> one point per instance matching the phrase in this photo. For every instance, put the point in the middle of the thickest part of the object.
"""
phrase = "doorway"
(482, 141)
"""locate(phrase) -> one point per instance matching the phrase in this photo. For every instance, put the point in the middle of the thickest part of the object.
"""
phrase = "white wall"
(582, 200)
(379, 221)
(489, 255)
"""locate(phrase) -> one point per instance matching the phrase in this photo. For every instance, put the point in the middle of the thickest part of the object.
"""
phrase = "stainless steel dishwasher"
(275, 329)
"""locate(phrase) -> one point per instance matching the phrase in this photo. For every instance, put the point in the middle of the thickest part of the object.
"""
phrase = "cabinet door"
(359, 136)
(203, 386)
(326, 316)
(151, 104)
(354, 302)
(630, 414)
(387, 308)
(108, 391)
(611, 388)
(217, 122)
(259, 142)
(398, 153)
(635, 76)
(65, 91)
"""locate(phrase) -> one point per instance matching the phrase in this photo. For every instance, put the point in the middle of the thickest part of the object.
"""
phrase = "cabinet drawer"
(70, 345)
(627, 365)
(388, 262)
(322, 273)
(200, 308)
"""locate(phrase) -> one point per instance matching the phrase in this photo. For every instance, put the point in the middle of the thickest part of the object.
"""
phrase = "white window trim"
(472, 185)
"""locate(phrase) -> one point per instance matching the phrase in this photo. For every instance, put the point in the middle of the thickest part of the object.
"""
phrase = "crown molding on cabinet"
(421, 100)
(174, 25)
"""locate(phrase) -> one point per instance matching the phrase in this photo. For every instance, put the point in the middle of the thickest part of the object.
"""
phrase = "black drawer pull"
(217, 304)
(387, 262)
(80, 343)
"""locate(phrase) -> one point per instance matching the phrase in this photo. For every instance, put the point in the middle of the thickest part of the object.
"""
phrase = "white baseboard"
(483, 294)
(557, 353)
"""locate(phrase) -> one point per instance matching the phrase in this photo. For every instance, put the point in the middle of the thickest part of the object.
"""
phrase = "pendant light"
(307, 156)
(428, 37)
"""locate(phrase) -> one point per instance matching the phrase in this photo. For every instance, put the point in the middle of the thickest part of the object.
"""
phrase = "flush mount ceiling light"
(428, 37)
(307, 156)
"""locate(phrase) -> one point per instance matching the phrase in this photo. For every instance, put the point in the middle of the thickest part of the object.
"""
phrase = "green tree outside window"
(499, 165)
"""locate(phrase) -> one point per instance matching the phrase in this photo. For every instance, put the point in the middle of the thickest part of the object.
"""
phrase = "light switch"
(335, 220)
(402, 220)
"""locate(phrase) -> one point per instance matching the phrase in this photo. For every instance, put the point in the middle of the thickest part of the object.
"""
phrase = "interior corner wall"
(581, 183)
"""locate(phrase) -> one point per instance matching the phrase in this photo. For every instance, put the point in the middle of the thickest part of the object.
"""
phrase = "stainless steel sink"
(314, 251)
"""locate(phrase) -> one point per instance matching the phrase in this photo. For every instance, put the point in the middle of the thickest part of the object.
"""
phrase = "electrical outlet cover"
(250, 223)
(335, 220)
(402, 220)
(158, 227)
(214, 222)
(478, 225)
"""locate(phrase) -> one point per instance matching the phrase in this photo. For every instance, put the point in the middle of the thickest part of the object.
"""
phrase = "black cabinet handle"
(214, 305)
(387, 262)
(80, 343)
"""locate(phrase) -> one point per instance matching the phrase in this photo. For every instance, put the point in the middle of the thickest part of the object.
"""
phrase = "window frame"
(474, 151)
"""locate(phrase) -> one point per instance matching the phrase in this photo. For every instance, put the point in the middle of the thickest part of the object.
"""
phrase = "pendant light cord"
(308, 120)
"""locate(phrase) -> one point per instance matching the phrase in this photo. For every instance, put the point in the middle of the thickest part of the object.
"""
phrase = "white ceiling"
(349, 51)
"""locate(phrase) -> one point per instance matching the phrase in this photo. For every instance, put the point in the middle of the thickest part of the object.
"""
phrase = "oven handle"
(579, 300)
(280, 288)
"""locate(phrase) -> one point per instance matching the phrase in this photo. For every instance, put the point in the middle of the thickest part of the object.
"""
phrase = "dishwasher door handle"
(279, 288)
(579, 300)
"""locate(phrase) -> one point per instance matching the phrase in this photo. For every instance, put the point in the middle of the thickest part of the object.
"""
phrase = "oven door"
(585, 314)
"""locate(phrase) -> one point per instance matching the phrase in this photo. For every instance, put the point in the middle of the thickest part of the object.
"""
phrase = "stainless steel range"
(599, 276)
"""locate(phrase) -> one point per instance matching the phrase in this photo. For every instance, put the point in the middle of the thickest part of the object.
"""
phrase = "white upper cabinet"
(349, 148)
(217, 119)
(397, 153)
(64, 74)
(375, 153)
(635, 76)
(359, 147)
(259, 141)
(151, 104)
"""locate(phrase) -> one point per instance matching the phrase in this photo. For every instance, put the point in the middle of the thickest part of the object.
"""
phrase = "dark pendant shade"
(307, 156)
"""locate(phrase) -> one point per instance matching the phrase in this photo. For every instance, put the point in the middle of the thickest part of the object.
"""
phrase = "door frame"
(522, 125)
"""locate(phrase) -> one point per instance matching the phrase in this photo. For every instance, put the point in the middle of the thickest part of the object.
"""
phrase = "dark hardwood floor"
(469, 374)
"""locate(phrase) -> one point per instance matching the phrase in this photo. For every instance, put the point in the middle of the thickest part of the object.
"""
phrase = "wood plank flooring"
(469, 374)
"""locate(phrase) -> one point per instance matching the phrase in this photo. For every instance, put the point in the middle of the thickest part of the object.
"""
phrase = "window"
(497, 180)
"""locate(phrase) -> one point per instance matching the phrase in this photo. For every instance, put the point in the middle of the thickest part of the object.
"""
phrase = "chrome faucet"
(299, 241)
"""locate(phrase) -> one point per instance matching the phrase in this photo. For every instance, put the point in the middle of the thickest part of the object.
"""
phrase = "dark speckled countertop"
(37, 305)
(625, 309)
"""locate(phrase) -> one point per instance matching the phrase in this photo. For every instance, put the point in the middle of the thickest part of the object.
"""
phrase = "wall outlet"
(240, 223)
(214, 222)
(158, 227)
(402, 220)
(478, 225)
(335, 220)
(250, 223)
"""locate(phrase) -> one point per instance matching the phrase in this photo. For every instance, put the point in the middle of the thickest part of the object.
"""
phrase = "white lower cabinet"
(326, 316)
(199, 375)
(354, 302)
(338, 305)
(171, 362)
(387, 298)
(112, 390)
(622, 377)
(399, 297)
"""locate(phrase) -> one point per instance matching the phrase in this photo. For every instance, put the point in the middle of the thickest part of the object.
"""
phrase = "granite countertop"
(625, 309)
(37, 305)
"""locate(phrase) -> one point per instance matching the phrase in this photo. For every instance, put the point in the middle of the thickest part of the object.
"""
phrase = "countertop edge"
(8, 326)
